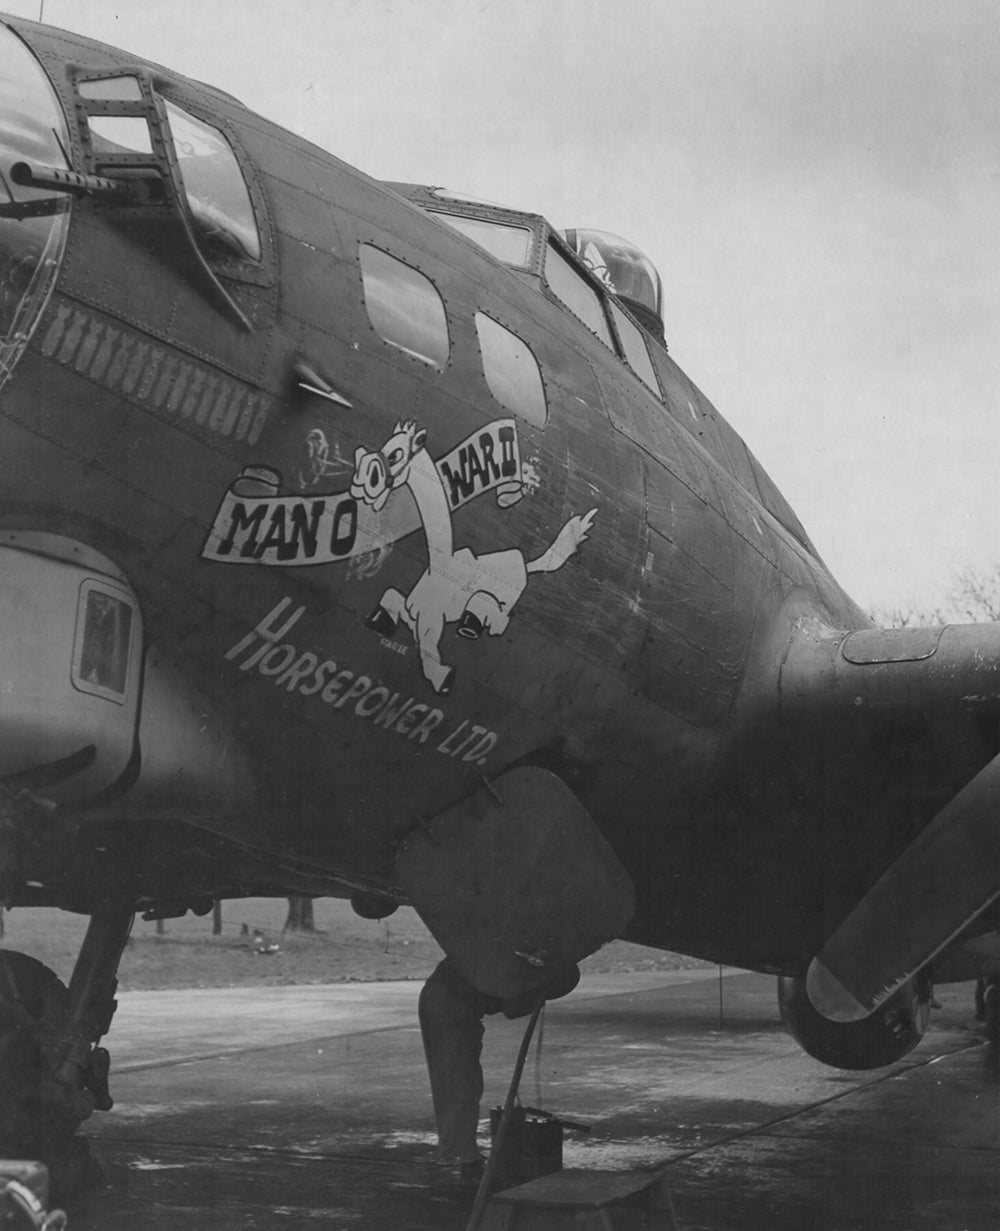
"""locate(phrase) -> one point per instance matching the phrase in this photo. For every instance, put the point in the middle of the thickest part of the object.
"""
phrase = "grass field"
(344, 947)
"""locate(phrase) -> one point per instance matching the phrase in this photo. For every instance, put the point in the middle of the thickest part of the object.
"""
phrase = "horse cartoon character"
(476, 592)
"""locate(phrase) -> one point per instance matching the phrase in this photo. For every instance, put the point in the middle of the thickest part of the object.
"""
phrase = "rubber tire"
(27, 1129)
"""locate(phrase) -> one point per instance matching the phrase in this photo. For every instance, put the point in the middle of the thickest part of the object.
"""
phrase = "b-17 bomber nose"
(33, 221)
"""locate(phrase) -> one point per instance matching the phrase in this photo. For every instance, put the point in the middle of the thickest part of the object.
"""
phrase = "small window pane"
(511, 370)
(104, 640)
(404, 306)
(120, 134)
(125, 89)
(635, 348)
(512, 245)
(214, 185)
(577, 294)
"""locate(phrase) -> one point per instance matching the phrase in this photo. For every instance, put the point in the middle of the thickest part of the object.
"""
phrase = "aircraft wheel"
(37, 1119)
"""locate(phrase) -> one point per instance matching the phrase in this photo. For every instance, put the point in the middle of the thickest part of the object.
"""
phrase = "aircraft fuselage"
(375, 580)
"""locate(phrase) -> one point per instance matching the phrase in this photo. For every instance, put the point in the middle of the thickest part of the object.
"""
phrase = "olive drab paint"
(380, 558)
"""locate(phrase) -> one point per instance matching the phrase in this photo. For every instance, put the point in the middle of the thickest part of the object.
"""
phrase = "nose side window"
(404, 307)
(511, 369)
(216, 191)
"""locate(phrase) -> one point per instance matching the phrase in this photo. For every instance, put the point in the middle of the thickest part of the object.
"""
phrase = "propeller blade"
(947, 875)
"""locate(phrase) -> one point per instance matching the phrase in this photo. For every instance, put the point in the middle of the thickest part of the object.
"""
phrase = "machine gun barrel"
(58, 180)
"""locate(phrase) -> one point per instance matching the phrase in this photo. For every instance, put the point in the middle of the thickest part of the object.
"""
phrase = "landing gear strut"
(52, 1072)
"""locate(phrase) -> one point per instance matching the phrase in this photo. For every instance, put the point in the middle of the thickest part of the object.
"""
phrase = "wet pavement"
(306, 1107)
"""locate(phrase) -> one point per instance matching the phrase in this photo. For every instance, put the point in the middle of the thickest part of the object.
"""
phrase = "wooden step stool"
(583, 1201)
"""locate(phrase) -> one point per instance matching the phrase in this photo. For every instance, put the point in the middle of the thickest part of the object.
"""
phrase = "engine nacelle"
(895, 1027)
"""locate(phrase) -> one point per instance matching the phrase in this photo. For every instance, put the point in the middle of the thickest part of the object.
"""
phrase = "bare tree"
(974, 598)
(300, 916)
(907, 617)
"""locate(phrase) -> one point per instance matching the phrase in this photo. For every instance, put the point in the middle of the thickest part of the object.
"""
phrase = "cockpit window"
(635, 347)
(577, 294)
(509, 244)
(216, 191)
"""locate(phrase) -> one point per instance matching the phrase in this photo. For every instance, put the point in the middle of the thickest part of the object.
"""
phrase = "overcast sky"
(818, 182)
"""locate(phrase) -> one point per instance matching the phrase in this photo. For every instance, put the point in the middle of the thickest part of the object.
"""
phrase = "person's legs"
(452, 1032)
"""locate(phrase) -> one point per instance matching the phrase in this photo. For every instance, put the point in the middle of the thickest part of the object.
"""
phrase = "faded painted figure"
(476, 592)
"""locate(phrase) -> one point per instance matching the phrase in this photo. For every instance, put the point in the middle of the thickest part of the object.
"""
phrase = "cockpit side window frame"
(614, 305)
(458, 206)
(502, 217)
(460, 216)
(553, 240)
(610, 304)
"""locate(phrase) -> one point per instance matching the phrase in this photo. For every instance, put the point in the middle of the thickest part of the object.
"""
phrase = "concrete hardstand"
(309, 1106)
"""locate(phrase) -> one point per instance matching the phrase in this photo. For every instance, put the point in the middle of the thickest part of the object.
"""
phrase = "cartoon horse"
(477, 592)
